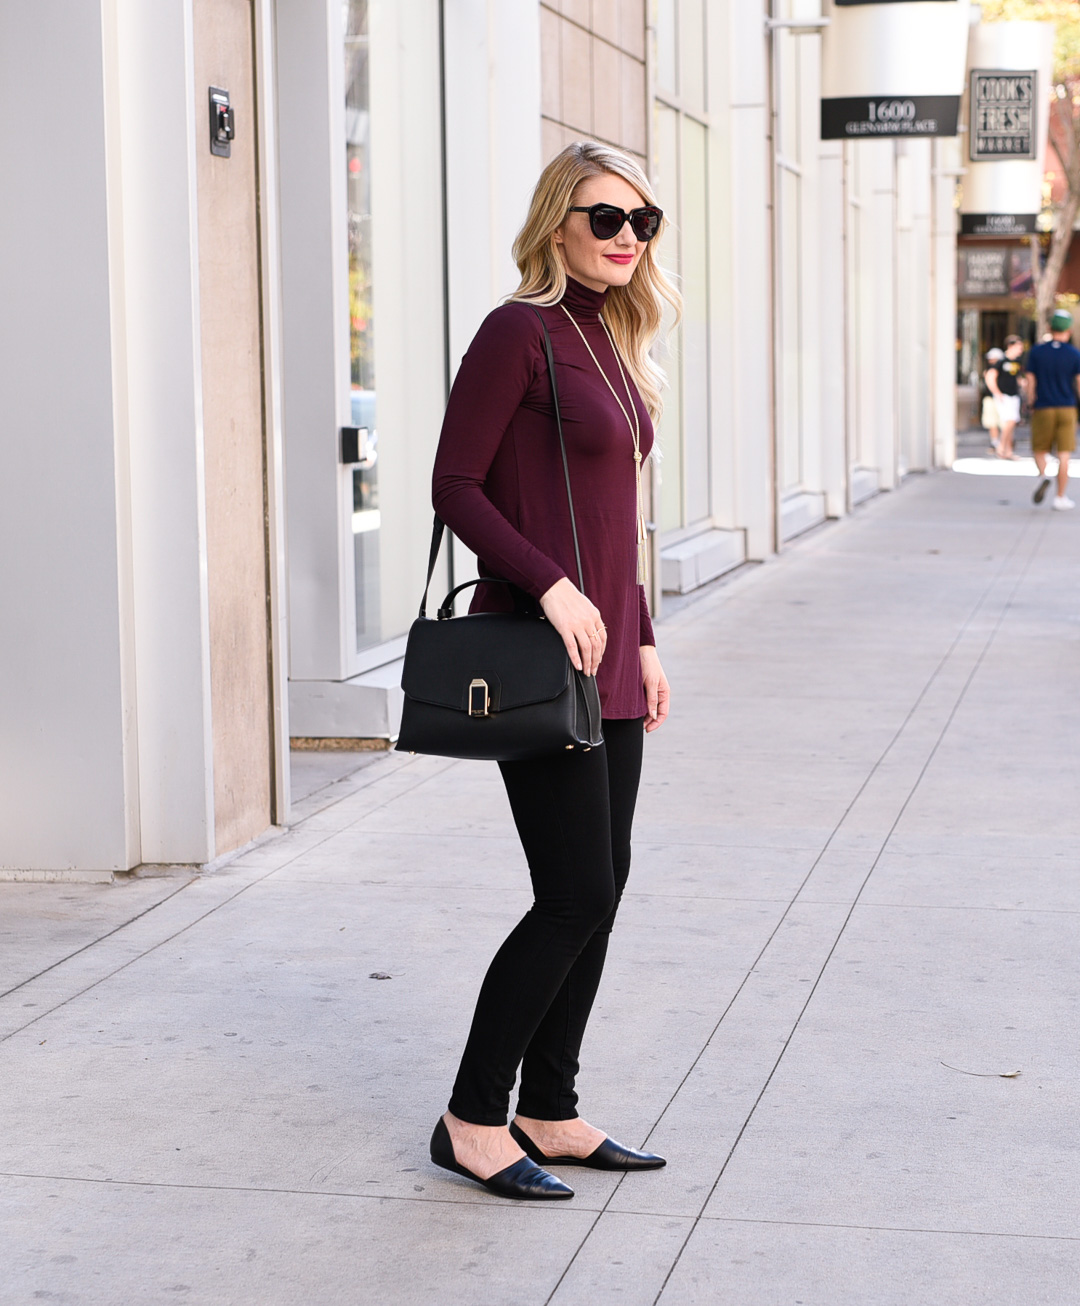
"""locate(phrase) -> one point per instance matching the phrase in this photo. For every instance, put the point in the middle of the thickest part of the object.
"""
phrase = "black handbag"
(498, 686)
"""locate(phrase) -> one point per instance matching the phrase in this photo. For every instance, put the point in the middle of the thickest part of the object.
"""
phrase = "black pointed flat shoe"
(523, 1180)
(608, 1156)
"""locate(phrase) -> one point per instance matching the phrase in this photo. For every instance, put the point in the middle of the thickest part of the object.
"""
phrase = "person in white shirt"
(991, 418)
(1003, 382)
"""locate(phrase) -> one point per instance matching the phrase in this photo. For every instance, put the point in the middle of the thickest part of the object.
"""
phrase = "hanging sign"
(997, 224)
(1008, 118)
(892, 68)
(1003, 112)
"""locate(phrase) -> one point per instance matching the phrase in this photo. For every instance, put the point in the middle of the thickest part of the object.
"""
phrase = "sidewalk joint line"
(961, 906)
(893, 1228)
(190, 925)
(839, 1224)
(100, 939)
(467, 1199)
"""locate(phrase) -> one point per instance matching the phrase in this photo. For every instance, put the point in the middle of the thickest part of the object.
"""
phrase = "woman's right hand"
(578, 622)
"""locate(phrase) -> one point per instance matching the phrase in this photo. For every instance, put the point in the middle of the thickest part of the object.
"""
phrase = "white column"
(906, 306)
(918, 275)
(157, 349)
(815, 354)
(946, 168)
(492, 151)
(105, 695)
(65, 693)
(493, 158)
(879, 272)
(742, 315)
(913, 304)
(831, 328)
(867, 406)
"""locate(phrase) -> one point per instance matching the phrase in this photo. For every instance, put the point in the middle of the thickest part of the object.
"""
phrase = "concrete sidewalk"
(853, 915)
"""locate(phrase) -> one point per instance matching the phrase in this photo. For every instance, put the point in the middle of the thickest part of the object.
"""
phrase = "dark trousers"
(573, 813)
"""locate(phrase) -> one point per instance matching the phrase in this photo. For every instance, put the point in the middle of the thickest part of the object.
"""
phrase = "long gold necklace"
(635, 435)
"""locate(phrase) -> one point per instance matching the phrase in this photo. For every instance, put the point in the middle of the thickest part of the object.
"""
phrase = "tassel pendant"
(642, 529)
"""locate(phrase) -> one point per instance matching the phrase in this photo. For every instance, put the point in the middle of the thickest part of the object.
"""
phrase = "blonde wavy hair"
(632, 312)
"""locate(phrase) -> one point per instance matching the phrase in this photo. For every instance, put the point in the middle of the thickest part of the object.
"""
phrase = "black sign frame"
(1028, 134)
(864, 117)
(998, 224)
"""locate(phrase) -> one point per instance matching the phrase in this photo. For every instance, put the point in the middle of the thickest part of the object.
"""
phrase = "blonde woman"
(587, 256)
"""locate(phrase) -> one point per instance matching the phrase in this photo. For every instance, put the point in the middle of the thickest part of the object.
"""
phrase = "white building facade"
(223, 376)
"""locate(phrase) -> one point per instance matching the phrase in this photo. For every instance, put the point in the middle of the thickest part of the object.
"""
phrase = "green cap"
(1061, 320)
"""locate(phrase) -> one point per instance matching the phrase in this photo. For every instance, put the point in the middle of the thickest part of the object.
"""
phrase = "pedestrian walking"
(1003, 381)
(1052, 369)
(991, 419)
(588, 263)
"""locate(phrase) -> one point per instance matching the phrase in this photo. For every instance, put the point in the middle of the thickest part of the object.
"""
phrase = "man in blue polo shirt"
(1052, 369)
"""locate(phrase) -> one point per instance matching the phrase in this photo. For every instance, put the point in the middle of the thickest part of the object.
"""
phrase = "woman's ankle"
(456, 1125)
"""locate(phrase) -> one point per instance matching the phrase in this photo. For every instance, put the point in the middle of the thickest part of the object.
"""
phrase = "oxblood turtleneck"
(498, 480)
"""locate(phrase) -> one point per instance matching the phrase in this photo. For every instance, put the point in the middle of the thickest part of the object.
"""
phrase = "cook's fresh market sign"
(1003, 114)
(1010, 66)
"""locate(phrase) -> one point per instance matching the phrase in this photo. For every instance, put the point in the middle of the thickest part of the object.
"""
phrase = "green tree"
(1064, 133)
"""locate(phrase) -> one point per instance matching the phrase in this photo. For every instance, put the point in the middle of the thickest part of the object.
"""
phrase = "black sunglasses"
(606, 220)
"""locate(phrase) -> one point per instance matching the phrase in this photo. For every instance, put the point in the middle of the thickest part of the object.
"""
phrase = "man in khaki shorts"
(1052, 371)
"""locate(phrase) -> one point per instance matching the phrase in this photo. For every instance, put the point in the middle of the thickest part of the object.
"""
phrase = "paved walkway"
(853, 918)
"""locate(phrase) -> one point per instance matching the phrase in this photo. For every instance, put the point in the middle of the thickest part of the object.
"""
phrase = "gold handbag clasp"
(479, 698)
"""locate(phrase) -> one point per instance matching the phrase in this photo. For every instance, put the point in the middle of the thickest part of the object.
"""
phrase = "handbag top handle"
(439, 525)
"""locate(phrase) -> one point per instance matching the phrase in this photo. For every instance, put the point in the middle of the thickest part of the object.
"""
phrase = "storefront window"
(790, 259)
(670, 434)
(681, 173)
(365, 485)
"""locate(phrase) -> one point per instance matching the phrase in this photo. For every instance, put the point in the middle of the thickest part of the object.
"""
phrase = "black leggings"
(573, 813)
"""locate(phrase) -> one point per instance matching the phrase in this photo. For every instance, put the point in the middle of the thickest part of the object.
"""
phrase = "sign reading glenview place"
(892, 68)
(891, 115)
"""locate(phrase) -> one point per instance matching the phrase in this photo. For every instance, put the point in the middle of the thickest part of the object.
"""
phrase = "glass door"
(365, 519)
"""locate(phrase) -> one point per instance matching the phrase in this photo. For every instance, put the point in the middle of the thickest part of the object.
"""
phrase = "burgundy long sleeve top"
(499, 484)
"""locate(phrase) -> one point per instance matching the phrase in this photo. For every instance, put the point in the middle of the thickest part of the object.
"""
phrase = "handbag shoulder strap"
(433, 554)
(562, 446)
(439, 526)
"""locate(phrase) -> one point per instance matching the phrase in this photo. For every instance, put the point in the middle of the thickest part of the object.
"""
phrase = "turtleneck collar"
(585, 304)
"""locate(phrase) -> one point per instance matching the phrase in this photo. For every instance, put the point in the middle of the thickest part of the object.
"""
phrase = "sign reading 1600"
(892, 110)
